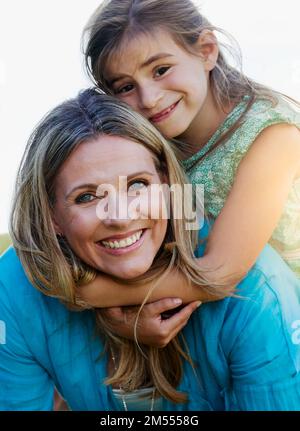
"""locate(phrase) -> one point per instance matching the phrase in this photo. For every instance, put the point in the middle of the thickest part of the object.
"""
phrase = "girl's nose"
(150, 95)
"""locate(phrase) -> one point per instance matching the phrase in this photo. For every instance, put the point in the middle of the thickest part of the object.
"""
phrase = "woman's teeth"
(123, 242)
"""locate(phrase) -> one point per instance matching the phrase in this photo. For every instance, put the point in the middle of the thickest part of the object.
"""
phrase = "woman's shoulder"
(266, 310)
(20, 299)
(12, 272)
(269, 283)
(13, 279)
(266, 302)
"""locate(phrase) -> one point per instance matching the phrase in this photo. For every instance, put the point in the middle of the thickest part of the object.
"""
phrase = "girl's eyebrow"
(154, 58)
(146, 63)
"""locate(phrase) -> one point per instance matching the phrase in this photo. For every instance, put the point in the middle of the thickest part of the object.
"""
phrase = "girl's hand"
(158, 321)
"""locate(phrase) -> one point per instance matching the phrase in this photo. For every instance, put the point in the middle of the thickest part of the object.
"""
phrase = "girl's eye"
(137, 185)
(85, 198)
(160, 71)
(124, 89)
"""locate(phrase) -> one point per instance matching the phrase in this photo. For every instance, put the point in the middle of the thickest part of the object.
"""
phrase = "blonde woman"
(235, 353)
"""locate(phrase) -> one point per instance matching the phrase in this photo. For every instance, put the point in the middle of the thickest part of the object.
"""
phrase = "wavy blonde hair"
(49, 262)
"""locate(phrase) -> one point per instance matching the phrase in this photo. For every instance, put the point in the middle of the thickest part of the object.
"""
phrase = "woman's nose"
(113, 211)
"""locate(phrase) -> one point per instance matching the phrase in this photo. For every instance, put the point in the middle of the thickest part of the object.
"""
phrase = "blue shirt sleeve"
(25, 384)
(261, 350)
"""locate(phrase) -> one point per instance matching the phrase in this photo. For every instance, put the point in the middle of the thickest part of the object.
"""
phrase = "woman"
(236, 353)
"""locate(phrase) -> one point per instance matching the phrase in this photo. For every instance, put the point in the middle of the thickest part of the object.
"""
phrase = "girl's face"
(161, 80)
(92, 218)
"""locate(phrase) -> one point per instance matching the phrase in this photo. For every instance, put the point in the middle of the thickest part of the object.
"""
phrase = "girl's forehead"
(135, 49)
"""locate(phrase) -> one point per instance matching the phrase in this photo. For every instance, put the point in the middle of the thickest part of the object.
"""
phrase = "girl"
(60, 242)
(237, 137)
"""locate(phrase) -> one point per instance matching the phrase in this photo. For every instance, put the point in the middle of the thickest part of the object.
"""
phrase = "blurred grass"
(5, 241)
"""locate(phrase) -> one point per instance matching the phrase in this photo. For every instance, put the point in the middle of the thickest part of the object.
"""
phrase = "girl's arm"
(106, 292)
(154, 328)
(245, 224)
(255, 203)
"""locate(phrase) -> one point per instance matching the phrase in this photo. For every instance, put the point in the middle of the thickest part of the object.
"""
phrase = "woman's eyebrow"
(95, 186)
(140, 173)
(146, 63)
(80, 187)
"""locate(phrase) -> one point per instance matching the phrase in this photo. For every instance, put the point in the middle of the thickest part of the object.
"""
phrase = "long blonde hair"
(49, 262)
(115, 22)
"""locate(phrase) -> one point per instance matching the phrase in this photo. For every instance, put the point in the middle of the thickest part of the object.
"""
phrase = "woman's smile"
(121, 244)
(109, 231)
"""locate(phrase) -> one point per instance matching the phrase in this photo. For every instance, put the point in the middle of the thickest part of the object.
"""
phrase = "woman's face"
(98, 212)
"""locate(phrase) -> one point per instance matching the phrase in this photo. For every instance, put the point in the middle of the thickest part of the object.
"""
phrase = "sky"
(41, 62)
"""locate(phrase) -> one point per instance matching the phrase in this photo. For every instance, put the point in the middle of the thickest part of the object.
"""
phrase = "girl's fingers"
(178, 320)
(115, 313)
(170, 327)
(161, 306)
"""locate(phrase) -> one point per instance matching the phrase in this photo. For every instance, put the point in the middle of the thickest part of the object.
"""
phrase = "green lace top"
(216, 171)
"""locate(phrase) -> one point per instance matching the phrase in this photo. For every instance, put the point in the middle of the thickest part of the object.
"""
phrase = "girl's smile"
(166, 83)
(164, 114)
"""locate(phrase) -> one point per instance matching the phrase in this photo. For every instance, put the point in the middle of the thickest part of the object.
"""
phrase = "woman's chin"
(130, 273)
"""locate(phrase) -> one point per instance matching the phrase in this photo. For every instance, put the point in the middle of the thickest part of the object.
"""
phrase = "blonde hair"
(49, 262)
(115, 22)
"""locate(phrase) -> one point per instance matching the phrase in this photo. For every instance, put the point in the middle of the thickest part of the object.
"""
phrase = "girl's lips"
(163, 114)
(123, 250)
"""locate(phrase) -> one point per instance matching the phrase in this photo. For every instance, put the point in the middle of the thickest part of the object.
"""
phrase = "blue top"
(246, 349)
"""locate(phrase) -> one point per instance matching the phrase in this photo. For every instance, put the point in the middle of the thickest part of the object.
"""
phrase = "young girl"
(237, 137)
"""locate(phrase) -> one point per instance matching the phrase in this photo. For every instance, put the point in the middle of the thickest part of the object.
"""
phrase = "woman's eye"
(85, 198)
(124, 89)
(161, 70)
(137, 185)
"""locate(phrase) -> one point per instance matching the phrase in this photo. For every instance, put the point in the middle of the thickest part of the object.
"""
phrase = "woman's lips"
(123, 250)
(164, 114)
(121, 236)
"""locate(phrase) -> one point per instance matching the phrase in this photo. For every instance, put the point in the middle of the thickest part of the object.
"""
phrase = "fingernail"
(198, 304)
(177, 301)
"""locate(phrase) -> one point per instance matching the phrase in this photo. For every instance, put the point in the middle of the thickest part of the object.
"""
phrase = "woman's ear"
(207, 46)
(164, 178)
(56, 225)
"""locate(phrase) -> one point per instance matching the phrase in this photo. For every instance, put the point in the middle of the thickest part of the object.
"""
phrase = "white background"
(41, 63)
